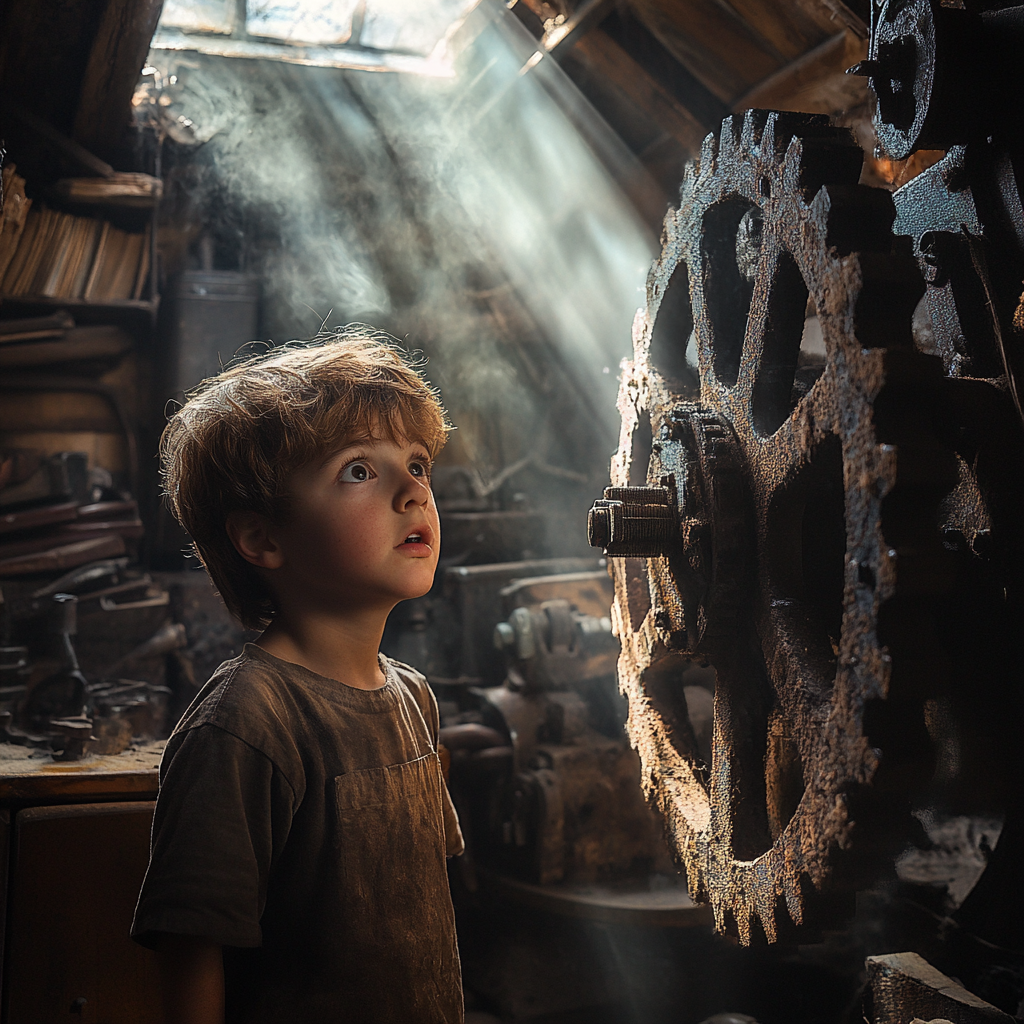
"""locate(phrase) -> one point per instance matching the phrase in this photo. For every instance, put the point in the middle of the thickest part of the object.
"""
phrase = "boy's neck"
(345, 649)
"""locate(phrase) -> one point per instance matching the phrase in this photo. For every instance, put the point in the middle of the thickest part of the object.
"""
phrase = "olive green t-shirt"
(303, 824)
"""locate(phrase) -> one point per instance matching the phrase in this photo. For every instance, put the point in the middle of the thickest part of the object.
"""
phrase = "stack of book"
(13, 215)
(63, 256)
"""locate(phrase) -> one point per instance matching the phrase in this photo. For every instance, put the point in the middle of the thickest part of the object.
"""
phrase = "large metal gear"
(775, 514)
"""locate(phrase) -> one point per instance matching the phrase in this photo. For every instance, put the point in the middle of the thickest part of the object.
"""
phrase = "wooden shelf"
(74, 192)
(84, 311)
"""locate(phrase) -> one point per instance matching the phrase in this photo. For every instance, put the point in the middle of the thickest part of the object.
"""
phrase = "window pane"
(320, 22)
(410, 25)
(199, 15)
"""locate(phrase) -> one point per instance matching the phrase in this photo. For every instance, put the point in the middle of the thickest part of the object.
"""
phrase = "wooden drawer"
(75, 875)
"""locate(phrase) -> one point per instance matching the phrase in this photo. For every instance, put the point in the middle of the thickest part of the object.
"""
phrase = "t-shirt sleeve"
(453, 841)
(222, 815)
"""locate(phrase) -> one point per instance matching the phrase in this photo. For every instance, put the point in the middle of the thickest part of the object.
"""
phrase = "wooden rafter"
(788, 28)
(612, 62)
(816, 82)
(588, 15)
(834, 13)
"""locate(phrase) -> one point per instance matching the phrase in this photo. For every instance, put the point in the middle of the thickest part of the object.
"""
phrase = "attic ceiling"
(662, 73)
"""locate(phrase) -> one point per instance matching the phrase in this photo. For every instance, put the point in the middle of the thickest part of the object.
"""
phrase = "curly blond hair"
(239, 437)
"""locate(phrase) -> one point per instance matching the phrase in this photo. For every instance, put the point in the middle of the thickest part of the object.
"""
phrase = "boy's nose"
(412, 492)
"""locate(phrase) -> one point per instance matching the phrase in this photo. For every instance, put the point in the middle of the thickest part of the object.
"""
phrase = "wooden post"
(117, 56)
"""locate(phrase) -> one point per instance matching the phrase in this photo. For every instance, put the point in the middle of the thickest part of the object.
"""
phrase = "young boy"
(298, 857)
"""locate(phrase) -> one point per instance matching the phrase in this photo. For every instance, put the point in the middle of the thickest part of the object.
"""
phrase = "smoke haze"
(476, 216)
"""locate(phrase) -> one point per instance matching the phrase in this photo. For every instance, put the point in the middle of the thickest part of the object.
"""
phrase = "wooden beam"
(79, 154)
(609, 60)
(713, 42)
(665, 68)
(44, 48)
(787, 28)
(118, 55)
(815, 83)
(905, 987)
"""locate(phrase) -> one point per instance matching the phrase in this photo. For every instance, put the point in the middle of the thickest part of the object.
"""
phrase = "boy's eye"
(356, 473)
(419, 469)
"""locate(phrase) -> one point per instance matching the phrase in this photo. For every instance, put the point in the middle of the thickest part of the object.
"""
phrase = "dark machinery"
(817, 488)
(543, 777)
(566, 807)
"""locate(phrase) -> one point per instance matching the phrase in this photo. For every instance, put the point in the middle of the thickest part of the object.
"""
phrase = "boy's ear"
(253, 539)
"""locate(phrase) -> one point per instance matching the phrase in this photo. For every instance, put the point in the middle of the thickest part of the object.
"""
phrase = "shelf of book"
(54, 259)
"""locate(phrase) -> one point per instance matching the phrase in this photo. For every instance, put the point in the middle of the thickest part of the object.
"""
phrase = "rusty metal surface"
(965, 220)
(905, 987)
(807, 566)
(943, 75)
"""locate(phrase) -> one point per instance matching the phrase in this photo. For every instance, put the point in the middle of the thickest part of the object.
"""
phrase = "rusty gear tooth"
(708, 156)
(690, 175)
(858, 217)
(769, 142)
(743, 926)
(754, 123)
(793, 900)
(731, 133)
(828, 155)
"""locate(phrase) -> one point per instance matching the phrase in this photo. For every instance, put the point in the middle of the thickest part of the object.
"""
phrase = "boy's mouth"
(416, 537)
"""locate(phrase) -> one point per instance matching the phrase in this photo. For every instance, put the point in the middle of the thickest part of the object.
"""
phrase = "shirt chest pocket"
(390, 840)
(394, 916)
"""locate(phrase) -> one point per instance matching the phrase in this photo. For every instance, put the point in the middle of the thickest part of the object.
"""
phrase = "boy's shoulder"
(262, 699)
(415, 682)
(253, 700)
(413, 678)
(241, 689)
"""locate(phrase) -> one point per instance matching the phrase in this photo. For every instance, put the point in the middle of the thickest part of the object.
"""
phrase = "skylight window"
(374, 35)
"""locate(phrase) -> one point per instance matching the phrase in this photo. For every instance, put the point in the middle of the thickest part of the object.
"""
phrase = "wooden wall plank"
(787, 27)
(44, 50)
(832, 15)
(675, 78)
(815, 83)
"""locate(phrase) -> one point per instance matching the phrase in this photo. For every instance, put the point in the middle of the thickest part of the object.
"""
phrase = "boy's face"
(363, 529)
